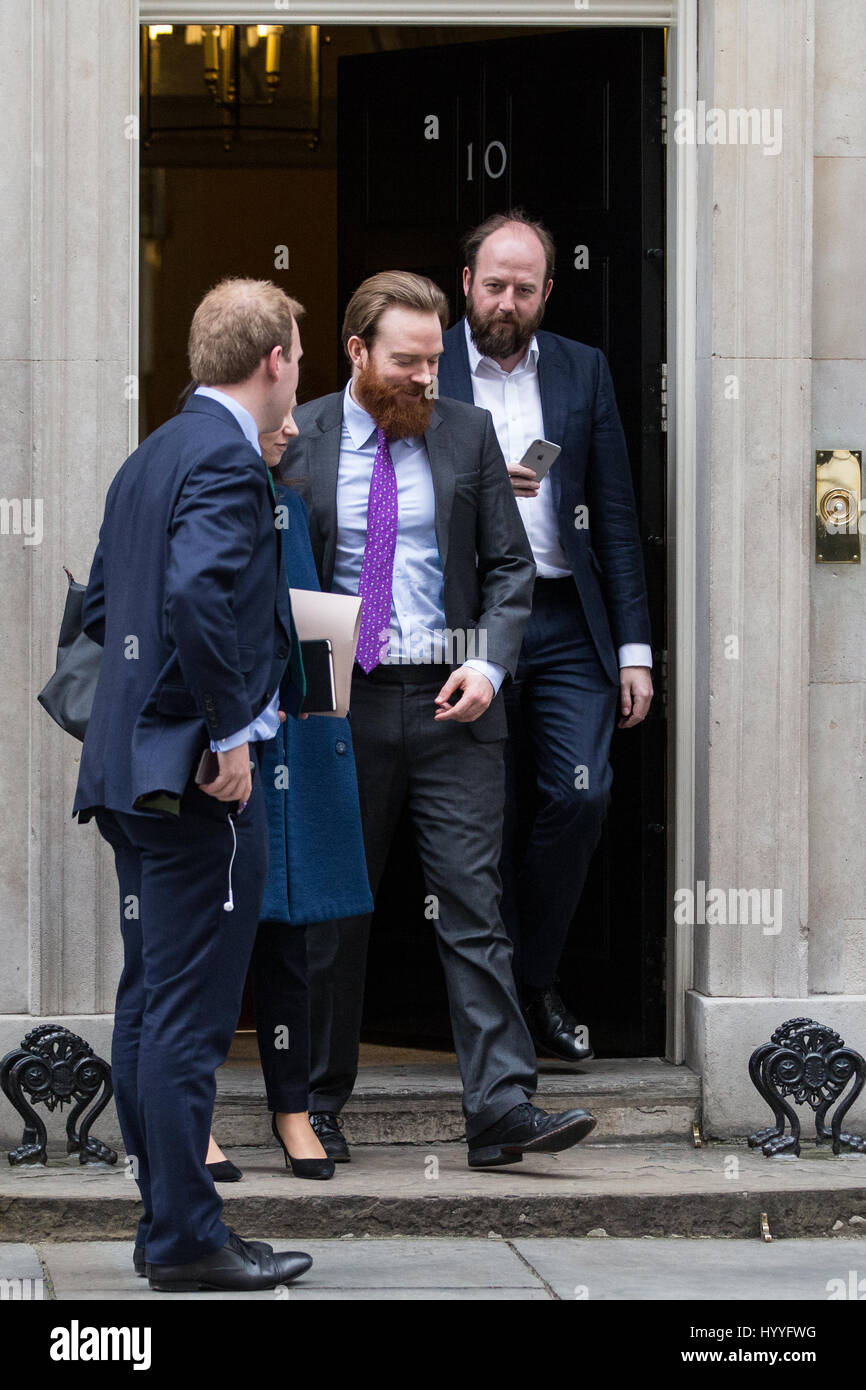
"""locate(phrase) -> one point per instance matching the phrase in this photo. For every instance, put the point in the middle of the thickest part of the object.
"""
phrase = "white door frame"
(681, 19)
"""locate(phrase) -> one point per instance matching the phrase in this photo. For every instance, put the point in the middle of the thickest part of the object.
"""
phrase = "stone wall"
(68, 199)
(837, 751)
(780, 302)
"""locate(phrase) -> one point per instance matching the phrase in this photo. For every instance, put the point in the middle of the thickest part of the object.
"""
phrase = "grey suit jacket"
(486, 558)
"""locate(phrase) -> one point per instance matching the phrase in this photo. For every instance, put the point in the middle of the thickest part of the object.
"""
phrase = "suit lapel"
(440, 454)
(553, 386)
(455, 376)
(324, 465)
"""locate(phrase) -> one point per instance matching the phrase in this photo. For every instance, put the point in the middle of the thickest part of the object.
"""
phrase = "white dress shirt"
(265, 725)
(514, 400)
(417, 601)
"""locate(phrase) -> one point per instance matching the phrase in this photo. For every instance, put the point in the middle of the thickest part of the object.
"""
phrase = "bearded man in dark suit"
(586, 654)
(411, 507)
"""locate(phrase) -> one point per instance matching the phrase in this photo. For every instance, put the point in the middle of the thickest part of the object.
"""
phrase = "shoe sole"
(558, 1057)
(202, 1285)
(494, 1156)
(198, 1287)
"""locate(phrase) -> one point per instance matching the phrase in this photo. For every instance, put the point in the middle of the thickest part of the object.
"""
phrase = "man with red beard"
(411, 507)
(586, 652)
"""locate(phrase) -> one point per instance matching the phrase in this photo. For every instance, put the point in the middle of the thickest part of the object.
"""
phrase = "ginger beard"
(500, 335)
(398, 418)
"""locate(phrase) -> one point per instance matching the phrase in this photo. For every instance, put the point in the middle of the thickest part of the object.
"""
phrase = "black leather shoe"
(304, 1167)
(553, 1027)
(239, 1265)
(526, 1129)
(330, 1135)
(139, 1263)
(224, 1171)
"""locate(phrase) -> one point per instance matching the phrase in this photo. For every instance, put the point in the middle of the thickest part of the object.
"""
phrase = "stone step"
(419, 1102)
(619, 1190)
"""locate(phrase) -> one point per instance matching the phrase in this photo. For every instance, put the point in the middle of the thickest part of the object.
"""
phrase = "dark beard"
(497, 337)
(398, 419)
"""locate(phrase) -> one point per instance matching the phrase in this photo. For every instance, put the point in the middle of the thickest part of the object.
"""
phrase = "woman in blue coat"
(317, 869)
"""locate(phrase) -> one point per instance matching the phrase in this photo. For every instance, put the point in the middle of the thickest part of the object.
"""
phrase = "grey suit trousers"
(452, 786)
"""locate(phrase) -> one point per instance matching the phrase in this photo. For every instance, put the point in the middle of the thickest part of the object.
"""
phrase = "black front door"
(568, 126)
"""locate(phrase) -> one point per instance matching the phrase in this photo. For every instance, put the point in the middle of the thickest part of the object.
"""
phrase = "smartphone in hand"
(208, 769)
(540, 457)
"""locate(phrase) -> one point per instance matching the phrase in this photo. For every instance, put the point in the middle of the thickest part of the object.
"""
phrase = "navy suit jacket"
(579, 411)
(189, 601)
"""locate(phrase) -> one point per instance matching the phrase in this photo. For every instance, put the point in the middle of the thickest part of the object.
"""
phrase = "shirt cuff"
(495, 674)
(635, 654)
(222, 745)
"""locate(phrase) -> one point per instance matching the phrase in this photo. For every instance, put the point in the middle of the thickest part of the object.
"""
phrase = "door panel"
(568, 126)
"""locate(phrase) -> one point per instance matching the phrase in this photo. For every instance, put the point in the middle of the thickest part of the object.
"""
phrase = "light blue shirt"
(265, 725)
(418, 631)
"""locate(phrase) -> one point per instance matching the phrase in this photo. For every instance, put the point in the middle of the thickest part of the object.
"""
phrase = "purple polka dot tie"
(377, 570)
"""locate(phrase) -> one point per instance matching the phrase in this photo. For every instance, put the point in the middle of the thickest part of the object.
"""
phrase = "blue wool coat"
(317, 865)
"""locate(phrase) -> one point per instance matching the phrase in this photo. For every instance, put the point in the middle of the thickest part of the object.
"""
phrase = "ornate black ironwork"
(54, 1068)
(809, 1063)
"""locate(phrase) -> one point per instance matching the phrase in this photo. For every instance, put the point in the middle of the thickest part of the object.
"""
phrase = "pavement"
(540, 1270)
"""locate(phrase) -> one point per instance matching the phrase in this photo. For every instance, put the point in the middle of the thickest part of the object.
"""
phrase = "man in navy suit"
(586, 649)
(189, 601)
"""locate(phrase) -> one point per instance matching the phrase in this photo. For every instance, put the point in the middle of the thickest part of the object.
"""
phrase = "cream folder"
(338, 618)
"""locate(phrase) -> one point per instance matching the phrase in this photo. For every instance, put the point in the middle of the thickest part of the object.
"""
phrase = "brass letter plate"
(837, 506)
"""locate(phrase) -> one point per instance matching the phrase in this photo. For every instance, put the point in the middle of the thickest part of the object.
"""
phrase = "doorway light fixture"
(241, 68)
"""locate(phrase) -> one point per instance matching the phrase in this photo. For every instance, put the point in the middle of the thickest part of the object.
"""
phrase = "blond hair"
(379, 292)
(237, 324)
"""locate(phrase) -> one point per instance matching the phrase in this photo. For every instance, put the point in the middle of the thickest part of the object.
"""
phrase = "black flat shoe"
(139, 1263)
(553, 1027)
(303, 1167)
(238, 1265)
(527, 1129)
(224, 1171)
(330, 1135)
